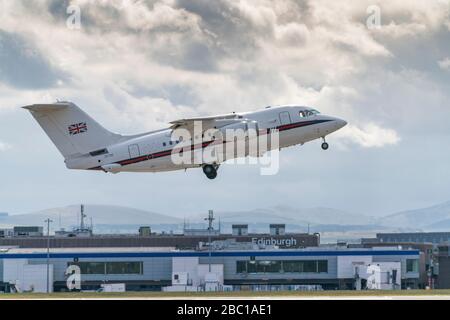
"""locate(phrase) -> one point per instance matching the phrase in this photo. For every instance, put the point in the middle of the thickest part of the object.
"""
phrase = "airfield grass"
(225, 295)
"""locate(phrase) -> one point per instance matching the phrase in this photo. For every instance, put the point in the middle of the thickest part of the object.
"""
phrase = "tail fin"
(71, 130)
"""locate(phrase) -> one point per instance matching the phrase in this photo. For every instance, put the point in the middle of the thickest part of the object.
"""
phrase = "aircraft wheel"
(212, 175)
(325, 146)
(210, 171)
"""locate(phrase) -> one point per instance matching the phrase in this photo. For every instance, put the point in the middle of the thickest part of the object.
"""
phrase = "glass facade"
(412, 265)
(115, 267)
(124, 268)
(282, 266)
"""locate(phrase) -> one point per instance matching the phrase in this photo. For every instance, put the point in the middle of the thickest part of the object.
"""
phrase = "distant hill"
(427, 219)
(299, 216)
(335, 223)
(442, 225)
(101, 215)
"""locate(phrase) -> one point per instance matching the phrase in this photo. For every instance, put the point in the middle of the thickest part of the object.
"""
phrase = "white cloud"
(393, 30)
(135, 65)
(4, 146)
(128, 56)
(444, 64)
(413, 17)
(368, 136)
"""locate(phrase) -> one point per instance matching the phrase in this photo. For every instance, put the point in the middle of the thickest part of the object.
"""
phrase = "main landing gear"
(325, 145)
(210, 171)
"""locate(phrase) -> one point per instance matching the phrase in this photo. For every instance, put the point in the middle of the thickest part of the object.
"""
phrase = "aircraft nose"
(340, 123)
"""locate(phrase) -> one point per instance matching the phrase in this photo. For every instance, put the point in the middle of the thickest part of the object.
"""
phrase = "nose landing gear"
(210, 171)
(325, 145)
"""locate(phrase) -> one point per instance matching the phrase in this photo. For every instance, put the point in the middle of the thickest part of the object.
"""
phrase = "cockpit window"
(307, 113)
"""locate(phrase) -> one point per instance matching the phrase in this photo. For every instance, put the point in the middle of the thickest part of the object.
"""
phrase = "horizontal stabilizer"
(46, 107)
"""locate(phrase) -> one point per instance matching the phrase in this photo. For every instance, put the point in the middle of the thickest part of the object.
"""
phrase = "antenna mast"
(82, 217)
(210, 220)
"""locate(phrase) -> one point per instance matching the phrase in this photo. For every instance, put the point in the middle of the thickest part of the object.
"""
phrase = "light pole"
(210, 228)
(48, 253)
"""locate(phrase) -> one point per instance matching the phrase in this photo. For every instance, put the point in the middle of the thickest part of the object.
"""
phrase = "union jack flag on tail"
(77, 128)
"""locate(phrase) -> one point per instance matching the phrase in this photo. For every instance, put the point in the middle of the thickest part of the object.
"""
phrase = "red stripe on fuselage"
(165, 153)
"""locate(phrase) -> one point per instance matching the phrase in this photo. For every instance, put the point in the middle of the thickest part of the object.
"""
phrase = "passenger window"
(164, 144)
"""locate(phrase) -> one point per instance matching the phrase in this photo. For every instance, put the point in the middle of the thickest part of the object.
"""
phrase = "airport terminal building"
(190, 239)
(435, 238)
(244, 268)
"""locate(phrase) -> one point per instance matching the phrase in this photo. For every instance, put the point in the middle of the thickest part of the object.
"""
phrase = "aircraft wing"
(206, 122)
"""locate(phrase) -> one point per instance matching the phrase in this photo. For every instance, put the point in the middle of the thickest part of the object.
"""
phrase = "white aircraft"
(86, 145)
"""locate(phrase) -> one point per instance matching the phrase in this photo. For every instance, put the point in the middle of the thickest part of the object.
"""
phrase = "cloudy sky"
(136, 65)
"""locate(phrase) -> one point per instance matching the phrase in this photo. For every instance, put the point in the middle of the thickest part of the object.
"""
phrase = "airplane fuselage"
(152, 152)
